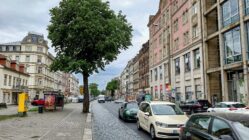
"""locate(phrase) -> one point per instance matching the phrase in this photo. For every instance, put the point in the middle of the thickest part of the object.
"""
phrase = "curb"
(88, 129)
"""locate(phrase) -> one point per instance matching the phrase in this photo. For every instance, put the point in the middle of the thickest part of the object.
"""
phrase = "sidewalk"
(59, 125)
(11, 109)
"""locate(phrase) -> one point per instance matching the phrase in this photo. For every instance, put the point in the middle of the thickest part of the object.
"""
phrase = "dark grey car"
(216, 126)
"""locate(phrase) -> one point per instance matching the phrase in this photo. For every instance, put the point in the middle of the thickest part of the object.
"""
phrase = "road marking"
(56, 125)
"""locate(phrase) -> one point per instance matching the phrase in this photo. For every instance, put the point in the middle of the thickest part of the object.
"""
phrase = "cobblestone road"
(107, 126)
(58, 125)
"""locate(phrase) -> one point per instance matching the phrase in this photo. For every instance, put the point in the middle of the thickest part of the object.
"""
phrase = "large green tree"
(112, 86)
(94, 89)
(87, 35)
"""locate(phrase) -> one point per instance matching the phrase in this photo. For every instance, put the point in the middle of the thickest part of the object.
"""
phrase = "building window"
(246, 7)
(176, 44)
(198, 92)
(5, 79)
(194, 8)
(194, 32)
(175, 5)
(155, 72)
(27, 58)
(39, 59)
(3, 48)
(185, 17)
(10, 80)
(40, 49)
(188, 93)
(176, 25)
(177, 66)
(230, 12)
(151, 75)
(17, 58)
(187, 62)
(10, 48)
(186, 38)
(14, 81)
(160, 39)
(161, 73)
(232, 46)
(166, 70)
(197, 58)
(39, 69)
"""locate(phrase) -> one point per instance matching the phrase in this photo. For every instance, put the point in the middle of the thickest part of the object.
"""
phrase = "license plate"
(205, 107)
(175, 131)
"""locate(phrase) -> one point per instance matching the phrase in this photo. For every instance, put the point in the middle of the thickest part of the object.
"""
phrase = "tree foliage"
(112, 86)
(86, 35)
(94, 89)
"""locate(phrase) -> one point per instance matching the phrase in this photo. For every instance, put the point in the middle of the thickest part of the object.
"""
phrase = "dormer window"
(40, 40)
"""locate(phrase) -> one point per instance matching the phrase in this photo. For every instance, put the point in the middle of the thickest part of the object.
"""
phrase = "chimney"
(21, 68)
(13, 65)
(2, 60)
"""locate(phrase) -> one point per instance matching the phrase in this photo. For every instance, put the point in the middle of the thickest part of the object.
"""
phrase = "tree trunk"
(86, 93)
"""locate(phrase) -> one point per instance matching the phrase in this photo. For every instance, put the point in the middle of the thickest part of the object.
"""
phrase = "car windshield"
(243, 129)
(163, 109)
(239, 105)
(131, 105)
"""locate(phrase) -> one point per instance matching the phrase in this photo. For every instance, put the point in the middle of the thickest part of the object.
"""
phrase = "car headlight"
(127, 112)
(160, 124)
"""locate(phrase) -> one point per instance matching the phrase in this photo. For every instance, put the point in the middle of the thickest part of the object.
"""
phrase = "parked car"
(75, 99)
(195, 106)
(140, 98)
(37, 102)
(101, 98)
(108, 98)
(216, 126)
(160, 119)
(228, 107)
(80, 99)
(128, 111)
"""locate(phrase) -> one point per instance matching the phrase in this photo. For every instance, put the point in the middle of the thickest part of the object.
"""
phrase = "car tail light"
(232, 108)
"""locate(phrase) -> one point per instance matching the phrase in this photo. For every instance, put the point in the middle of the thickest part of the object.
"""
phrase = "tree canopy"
(94, 89)
(86, 35)
(112, 86)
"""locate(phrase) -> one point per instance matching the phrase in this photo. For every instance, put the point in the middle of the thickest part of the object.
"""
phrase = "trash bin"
(40, 109)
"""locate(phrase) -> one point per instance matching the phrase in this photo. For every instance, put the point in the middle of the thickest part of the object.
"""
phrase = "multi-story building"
(130, 67)
(13, 80)
(33, 52)
(159, 50)
(176, 70)
(136, 75)
(144, 68)
(226, 32)
(73, 85)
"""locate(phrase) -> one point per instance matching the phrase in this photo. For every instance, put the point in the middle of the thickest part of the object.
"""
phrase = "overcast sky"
(17, 17)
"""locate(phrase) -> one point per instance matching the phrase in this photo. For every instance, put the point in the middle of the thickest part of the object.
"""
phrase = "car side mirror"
(226, 137)
(147, 113)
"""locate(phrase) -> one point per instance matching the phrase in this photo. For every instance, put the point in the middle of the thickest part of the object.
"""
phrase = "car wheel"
(152, 133)
(119, 116)
(138, 125)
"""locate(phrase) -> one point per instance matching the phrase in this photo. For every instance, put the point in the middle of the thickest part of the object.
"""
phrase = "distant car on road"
(195, 106)
(160, 119)
(75, 99)
(216, 126)
(108, 98)
(119, 101)
(37, 102)
(101, 98)
(128, 111)
(228, 107)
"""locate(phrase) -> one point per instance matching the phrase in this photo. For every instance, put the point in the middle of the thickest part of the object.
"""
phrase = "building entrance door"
(235, 86)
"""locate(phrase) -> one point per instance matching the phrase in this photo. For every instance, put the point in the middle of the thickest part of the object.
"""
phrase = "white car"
(160, 119)
(228, 107)
(101, 99)
(75, 99)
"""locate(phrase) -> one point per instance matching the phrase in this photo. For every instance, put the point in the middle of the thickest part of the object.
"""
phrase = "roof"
(231, 116)
(12, 43)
